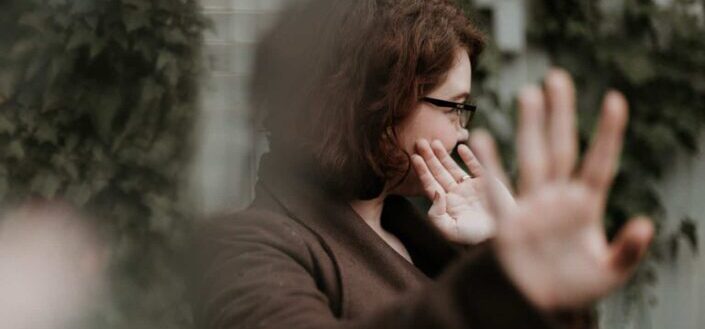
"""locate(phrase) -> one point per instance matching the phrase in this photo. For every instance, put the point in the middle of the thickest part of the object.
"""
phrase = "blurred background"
(136, 113)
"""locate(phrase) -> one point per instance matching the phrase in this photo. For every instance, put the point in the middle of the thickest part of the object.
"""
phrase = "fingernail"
(615, 98)
(436, 197)
(557, 76)
(617, 106)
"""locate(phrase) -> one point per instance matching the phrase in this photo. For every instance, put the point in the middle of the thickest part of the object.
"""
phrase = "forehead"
(458, 79)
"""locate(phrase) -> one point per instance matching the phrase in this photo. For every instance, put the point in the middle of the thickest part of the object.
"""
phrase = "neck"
(370, 211)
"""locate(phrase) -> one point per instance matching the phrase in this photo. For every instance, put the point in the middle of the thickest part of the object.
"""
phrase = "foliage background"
(97, 98)
(653, 53)
(97, 102)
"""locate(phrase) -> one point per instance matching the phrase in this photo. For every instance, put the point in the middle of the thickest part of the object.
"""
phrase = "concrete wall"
(224, 171)
(681, 287)
(680, 290)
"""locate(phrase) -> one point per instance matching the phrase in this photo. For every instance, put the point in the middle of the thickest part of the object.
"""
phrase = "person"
(363, 101)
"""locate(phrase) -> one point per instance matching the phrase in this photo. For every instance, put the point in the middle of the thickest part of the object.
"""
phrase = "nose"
(463, 135)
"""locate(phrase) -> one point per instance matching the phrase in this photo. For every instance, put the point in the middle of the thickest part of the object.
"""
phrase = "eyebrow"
(461, 96)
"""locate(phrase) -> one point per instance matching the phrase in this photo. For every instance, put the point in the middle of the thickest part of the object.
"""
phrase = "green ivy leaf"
(15, 151)
(22, 48)
(4, 187)
(104, 112)
(6, 126)
(159, 221)
(33, 68)
(175, 37)
(82, 7)
(635, 63)
(34, 20)
(78, 194)
(97, 47)
(45, 133)
(61, 162)
(92, 22)
(163, 59)
(45, 184)
(140, 5)
(8, 80)
(135, 22)
(688, 229)
(171, 72)
(79, 38)
(56, 3)
(57, 66)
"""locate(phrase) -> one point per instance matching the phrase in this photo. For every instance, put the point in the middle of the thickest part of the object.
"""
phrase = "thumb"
(439, 217)
(629, 247)
(439, 204)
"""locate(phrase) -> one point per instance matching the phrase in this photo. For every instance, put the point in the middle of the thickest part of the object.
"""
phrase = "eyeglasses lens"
(465, 117)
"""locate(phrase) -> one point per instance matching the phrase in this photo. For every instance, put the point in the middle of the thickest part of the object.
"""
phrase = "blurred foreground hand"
(51, 268)
(552, 243)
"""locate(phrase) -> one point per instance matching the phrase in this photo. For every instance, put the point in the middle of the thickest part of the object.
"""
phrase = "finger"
(442, 176)
(447, 161)
(428, 182)
(484, 147)
(470, 161)
(562, 141)
(629, 248)
(601, 160)
(485, 151)
(531, 142)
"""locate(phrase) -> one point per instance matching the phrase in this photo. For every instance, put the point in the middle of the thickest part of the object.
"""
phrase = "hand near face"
(552, 244)
(458, 209)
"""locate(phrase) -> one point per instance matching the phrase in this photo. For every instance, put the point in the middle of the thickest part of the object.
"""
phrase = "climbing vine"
(97, 99)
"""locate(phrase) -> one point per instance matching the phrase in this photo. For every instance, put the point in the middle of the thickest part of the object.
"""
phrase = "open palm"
(552, 243)
(459, 209)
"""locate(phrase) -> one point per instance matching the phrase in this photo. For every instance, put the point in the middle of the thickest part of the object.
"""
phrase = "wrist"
(529, 280)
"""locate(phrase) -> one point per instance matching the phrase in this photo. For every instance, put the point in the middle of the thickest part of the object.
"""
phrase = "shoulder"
(251, 264)
(255, 230)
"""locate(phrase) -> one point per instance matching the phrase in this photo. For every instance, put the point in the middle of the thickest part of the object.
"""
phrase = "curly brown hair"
(334, 78)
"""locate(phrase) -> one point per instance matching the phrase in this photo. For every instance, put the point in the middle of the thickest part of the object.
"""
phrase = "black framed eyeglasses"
(464, 111)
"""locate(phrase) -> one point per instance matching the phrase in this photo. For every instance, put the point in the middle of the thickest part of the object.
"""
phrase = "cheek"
(428, 125)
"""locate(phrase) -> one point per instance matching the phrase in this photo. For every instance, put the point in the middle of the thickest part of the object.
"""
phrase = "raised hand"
(458, 209)
(552, 244)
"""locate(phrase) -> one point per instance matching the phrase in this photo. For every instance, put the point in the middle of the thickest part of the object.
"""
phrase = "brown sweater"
(297, 258)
